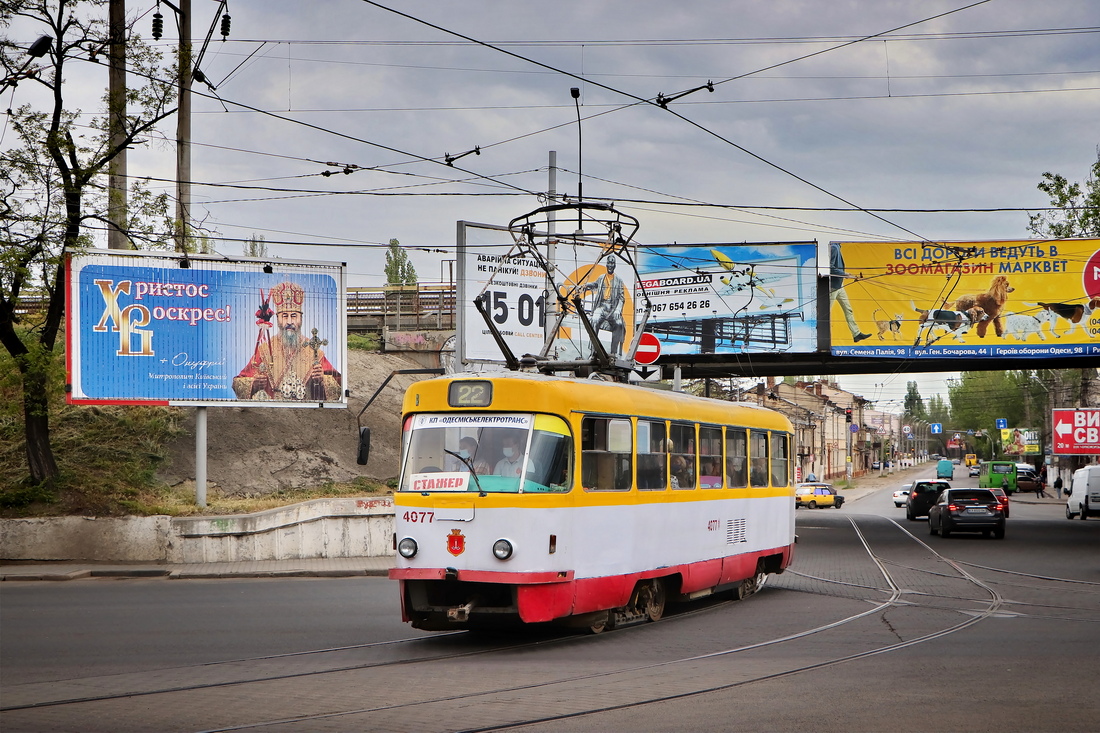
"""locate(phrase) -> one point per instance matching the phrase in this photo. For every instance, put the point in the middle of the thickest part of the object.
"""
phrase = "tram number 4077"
(425, 517)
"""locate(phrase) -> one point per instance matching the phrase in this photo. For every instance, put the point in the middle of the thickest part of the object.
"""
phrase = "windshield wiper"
(466, 462)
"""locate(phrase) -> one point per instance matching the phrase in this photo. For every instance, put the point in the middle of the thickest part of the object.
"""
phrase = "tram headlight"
(407, 547)
(502, 549)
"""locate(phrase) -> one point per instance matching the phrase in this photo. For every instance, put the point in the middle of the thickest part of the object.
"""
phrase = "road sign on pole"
(1002, 423)
(1076, 432)
(936, 428)
(649, 348)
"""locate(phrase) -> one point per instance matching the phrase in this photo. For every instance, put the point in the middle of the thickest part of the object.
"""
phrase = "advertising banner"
(1021, 441)
(704, 298)
(514, 286)
(966, 300)
(154, 328)
(730, 298)
(1076, 431)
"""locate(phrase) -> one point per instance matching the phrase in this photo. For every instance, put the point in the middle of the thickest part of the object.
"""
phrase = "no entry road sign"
(649, 348)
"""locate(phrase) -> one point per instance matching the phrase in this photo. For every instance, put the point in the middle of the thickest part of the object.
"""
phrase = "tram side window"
(758, 459)
(780, 459)
(606, 448)
(710, 457)
(652, 461)
(683, 455)
(737, 455)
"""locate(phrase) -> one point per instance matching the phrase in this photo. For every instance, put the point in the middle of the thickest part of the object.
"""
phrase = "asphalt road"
(877, 626)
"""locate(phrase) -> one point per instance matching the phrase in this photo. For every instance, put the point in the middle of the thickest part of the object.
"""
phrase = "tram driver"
(512, 461)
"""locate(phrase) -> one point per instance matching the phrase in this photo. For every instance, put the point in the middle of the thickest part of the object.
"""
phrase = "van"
(1083, 493)
(945, 469)
(998, 475)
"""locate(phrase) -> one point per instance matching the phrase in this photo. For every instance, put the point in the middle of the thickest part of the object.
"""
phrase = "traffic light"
(847, 414)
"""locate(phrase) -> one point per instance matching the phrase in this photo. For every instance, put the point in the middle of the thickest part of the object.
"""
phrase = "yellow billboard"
(996, 299)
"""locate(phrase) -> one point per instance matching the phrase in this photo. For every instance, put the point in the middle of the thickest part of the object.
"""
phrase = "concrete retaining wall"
(323, 528)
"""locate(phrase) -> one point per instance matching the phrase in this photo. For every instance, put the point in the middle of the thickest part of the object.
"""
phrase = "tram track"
(622, 687)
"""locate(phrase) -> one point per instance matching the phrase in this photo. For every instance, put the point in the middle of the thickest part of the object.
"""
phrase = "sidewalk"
(873, 482)
(341, 567)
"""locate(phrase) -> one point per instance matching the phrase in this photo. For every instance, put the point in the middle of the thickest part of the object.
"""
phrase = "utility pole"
(183, 129)
(116, 115)
(550, 305)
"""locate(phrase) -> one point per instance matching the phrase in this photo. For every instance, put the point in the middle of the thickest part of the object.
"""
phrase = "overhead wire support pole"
(116, 115)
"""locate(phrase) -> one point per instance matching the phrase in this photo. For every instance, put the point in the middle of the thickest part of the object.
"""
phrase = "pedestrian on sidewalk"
(1058, 485)
(1039, 492)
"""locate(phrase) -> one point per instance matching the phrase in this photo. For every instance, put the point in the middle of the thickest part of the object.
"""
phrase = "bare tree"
(53, 189)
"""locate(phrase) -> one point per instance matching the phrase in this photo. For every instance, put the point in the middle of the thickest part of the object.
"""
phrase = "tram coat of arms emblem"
(456, 542)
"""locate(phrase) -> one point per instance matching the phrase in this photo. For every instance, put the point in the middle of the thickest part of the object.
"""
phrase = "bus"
(971, 459)
(997, 475)
(526, 498)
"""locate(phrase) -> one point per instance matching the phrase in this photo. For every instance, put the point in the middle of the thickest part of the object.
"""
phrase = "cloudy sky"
(951, 109)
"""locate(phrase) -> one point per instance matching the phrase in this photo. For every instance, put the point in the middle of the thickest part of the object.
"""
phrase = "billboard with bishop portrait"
(164, 328)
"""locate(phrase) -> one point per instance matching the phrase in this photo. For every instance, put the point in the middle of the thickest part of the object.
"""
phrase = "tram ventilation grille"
(735, 531)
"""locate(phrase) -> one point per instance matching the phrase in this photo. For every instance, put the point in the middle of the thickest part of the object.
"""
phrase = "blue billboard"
(730, 298)
(163, 329)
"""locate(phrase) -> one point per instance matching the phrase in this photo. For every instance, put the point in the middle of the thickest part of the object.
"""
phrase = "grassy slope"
(108, 457)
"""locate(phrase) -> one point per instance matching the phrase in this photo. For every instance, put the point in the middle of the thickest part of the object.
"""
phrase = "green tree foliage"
(399, 270)
(51, 190)
(914, 405)
(256, 246)
(1077, 207)
(939, 411)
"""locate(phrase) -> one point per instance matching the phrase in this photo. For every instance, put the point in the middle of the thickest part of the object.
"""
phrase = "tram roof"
(570, 394)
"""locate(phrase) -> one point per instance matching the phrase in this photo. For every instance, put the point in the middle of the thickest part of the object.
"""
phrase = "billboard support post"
(200, 456)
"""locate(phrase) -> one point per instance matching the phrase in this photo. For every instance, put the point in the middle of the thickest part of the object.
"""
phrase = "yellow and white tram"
(536, 498)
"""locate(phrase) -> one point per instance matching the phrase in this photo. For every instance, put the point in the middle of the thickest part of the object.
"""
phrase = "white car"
(901, 495)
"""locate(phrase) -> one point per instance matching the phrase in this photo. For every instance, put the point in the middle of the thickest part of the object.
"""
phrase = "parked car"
(876, 465)
(967, 510)
(1083, 493)
(814, 495)
(901, 495)
(922, 495)
(1026, 479)
(1000, 494)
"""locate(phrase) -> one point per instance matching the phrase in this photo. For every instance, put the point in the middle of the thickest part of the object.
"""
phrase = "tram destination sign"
(1076, 432)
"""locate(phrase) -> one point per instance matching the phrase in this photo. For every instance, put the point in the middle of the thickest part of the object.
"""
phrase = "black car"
(967, 510)
(922, 495)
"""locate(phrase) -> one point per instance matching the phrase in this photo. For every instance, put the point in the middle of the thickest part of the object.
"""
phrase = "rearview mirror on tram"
(364, 446)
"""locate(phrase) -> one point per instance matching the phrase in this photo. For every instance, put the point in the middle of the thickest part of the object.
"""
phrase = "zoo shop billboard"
(156, 328)
(1021, 299)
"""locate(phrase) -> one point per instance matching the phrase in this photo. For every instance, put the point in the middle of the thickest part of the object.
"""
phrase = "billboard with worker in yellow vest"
(912, 300)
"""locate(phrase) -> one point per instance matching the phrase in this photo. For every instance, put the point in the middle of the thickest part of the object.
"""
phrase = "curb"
(170, 574)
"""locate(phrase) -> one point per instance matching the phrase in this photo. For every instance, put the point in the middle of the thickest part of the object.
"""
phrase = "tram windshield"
(487, 453)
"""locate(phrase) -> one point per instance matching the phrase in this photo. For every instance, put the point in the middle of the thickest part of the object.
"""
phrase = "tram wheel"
(602, 624)
(749, 586)
(652, 598)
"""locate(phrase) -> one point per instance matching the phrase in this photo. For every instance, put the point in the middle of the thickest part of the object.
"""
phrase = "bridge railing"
(398, 307)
